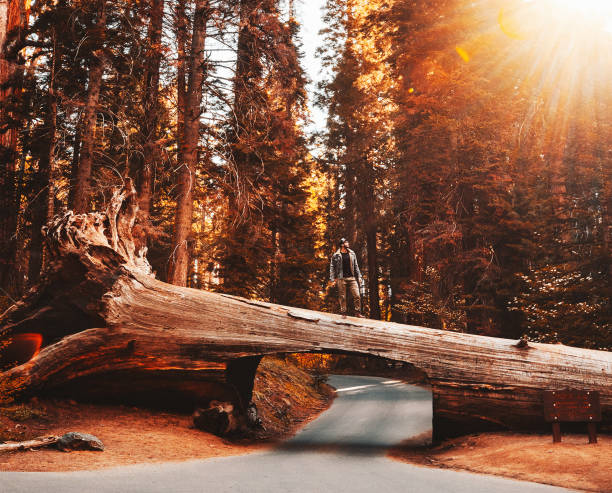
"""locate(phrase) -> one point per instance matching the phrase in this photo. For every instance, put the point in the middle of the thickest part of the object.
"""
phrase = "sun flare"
(592, 7)
(581, 21)
(559, 51)
(590, 15)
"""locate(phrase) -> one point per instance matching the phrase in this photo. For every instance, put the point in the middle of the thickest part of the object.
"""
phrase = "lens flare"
(509, 26)
(463, 53)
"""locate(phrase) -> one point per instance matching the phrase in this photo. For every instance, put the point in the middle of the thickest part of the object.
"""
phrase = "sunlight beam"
(589, 7)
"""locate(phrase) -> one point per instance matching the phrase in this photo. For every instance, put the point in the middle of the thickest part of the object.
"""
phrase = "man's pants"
(353, 287)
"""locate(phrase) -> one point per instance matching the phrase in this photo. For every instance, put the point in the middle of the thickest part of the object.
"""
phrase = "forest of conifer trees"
(467, 155)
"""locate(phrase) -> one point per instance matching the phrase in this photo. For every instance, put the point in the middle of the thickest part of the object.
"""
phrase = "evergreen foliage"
(469, 166)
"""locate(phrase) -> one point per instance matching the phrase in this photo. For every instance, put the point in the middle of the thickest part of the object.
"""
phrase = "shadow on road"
(353, 447)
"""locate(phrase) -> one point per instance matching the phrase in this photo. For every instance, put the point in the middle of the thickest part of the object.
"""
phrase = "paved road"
(342, 451)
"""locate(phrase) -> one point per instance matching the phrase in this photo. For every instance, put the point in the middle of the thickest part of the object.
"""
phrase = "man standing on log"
(344, 272)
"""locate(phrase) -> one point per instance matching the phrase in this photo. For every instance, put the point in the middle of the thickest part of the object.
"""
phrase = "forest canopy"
(467, 155)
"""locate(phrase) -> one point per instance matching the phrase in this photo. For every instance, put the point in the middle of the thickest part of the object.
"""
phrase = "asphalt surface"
(341, 451)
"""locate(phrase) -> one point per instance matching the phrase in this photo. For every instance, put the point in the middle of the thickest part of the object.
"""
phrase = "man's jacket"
(335, 266)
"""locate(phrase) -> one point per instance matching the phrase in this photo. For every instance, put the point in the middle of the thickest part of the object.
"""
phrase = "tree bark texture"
(181, 34)
(150, 151)
(82, 180)
(44, 207)
(179, 260)
(103, 315)
(13, 21)
(76, 157)
(370, 219)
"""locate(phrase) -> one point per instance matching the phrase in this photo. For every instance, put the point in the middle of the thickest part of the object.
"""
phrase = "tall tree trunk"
(370, 218)
(39, 218)
(13, 20)
(182, 38)
(606, 224)
(82, 181)
(401, 260)
(44, 209)
(179, 261)
(151, 105)
(350, 207)
(76, 157)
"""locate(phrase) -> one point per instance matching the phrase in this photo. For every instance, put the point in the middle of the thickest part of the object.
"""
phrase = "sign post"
(572, 406)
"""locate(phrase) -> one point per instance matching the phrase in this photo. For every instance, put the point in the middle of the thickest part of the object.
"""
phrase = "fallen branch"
(69, 441)
(29, 444)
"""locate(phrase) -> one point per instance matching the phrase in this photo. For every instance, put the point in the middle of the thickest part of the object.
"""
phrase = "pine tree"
(267, 246)
(196, 69)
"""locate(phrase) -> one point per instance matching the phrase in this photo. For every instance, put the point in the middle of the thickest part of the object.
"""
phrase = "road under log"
(101, 312)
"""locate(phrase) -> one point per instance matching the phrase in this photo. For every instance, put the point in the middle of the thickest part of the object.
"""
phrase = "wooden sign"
(572, 406)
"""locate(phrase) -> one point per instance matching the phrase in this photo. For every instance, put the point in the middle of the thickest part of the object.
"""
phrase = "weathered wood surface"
(29, 444)
(100, 310)
(66, 442)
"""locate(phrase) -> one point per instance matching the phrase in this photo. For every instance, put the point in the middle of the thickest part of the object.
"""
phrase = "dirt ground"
(131, 436)
(573, 463)
(285, 396)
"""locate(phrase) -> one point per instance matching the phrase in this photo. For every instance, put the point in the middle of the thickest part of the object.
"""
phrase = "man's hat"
(342, 241)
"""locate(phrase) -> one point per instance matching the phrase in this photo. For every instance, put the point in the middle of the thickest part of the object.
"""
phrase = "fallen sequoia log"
(106, 320)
